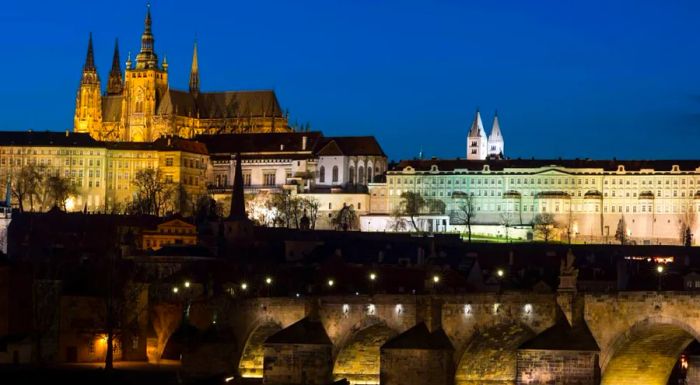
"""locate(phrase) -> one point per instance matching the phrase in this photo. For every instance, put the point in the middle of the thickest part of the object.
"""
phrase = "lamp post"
(660, 272)
(372, 279)
(436, 281)
(268, 283)
(500, 273)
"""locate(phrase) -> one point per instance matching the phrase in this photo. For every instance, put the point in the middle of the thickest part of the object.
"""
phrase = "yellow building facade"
(102, 173)
(141, 106)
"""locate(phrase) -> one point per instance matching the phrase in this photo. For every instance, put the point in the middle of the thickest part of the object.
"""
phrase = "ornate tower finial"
(147, 57)
(194, 72)
(114, 83)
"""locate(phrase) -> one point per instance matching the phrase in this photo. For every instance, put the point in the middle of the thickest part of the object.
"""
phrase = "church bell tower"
(88, 103)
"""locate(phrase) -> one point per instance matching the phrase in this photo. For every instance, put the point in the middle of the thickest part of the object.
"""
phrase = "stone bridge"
(510, 338)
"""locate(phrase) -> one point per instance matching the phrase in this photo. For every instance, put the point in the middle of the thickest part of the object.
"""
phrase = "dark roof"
(304, 332)
(501, 164)
(562, 336)
(217, 105)
(47, 138)
(112, 108)
(350, 145)
(164, 143)
(419, 337)
(246, 144)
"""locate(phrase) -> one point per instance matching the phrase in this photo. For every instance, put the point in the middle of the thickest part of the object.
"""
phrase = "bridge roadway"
(509, 338)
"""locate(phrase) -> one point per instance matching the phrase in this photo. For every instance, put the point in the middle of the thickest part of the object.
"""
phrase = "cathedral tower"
(88, 103)
(115, 86)
(496, 143)
(146, 83)
(477, 141)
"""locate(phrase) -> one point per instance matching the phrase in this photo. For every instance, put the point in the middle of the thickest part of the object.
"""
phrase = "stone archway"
(646, 353)
(358, 360)
(491, 355)
(252, 356)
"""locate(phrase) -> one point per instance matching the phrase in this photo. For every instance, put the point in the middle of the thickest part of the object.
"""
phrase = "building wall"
(331, 203)
(416, 367)
(539, 367)
(655, 204)
(297, 364)
(103, 177)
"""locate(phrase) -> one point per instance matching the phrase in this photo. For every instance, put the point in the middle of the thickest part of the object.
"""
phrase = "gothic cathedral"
(141, 107)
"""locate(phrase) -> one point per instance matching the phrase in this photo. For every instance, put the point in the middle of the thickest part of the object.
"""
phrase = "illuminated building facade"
(102, 172)
(141, 106)
(649, 201)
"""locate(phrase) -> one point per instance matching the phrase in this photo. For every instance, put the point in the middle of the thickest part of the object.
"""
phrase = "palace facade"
(141, 106)
(102, 172)
(652, 201)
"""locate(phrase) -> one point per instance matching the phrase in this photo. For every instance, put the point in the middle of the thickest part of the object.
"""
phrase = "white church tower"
(496, 144)
(477, 141)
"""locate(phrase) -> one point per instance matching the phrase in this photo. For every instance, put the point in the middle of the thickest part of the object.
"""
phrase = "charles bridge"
(482, 338)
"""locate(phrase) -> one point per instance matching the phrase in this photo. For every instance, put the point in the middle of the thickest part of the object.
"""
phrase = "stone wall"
(540, 367)
(297, 364)
(416, 367)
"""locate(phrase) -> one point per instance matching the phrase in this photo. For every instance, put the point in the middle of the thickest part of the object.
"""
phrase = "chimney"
(67, 133)
(303, 142)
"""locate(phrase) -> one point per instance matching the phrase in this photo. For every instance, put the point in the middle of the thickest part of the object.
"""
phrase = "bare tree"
(686, 222)
(26, 185)
(621, 231)
(506, 218)
(57, 191)
(310, 206)
(345, 219)
(411, 205)
(465, 210)
(545, 225)
(152, 193)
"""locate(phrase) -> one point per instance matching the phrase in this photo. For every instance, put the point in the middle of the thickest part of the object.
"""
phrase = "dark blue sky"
(572, 79)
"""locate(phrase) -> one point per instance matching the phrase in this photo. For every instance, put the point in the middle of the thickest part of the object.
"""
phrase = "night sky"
(569, 79)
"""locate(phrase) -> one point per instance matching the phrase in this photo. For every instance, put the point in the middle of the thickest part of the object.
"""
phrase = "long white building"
(654, 200)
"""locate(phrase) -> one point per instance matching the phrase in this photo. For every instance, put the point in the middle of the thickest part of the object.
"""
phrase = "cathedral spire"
(114, 84)
(194, 72)
(147, 57)
(90, 57)
(90, 75)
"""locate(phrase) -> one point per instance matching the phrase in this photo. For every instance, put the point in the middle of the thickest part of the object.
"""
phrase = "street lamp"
(500, 273)
(436, 279)
(175, 289)
(187, 284)
(372, 276)
(331, 283)
(268, 282)
(244, 286)
(660, 272)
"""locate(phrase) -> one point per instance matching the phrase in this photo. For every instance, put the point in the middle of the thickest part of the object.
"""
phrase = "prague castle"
(141, 106)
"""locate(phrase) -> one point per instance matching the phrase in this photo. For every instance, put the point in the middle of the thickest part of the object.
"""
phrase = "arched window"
(370, 174)
(322, 175)
(335, 174)
(360, 175)
(351, 177)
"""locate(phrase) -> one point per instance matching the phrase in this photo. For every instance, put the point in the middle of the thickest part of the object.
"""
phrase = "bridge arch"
(358, 353)
(490, 355)
(253, 352)
(646, 352)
